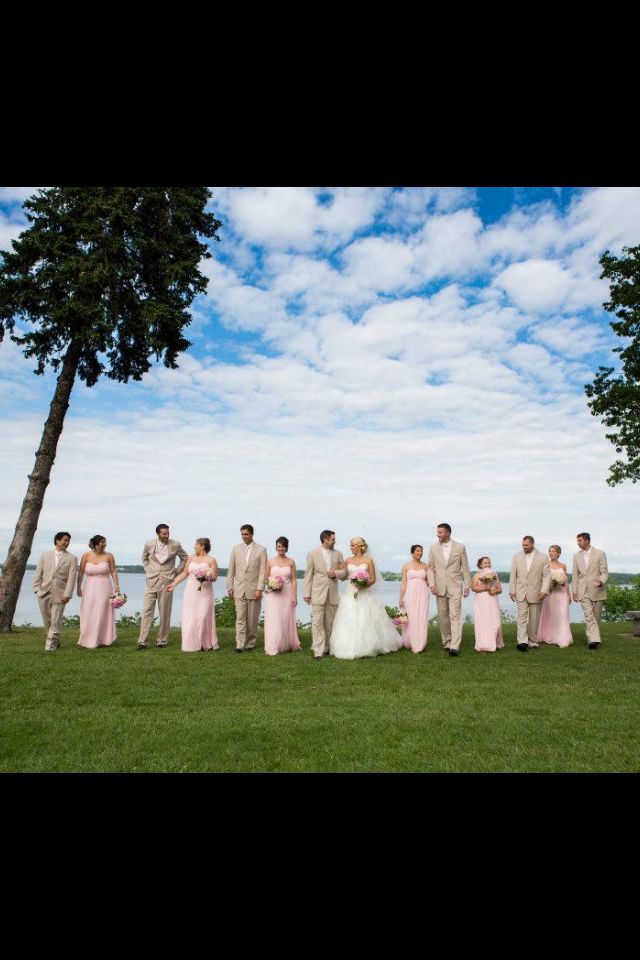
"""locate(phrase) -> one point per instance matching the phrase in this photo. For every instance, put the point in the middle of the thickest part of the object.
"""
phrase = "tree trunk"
(18, 555)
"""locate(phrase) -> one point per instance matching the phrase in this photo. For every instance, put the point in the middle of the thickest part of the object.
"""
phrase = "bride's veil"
(374, 587)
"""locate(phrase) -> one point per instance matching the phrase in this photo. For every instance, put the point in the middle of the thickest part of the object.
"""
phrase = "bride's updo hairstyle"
(361, 543)
(93, 543)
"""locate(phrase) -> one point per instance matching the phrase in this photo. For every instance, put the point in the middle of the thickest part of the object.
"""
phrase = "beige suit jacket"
(529, 584)
(155, 571)
(243, 579)
(317, 583)
(59, 583)
(450, 578)
(584, 580)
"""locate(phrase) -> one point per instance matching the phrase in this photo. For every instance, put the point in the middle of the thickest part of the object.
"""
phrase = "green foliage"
(621, 599)
(225, 612)
(615, 396)
(111, 270)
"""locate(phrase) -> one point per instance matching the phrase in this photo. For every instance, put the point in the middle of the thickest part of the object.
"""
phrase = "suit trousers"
(592, 613)
(247, 616)
(449, 621)
(528, 620)
(322, 617)
(52, 613)
(164, 600)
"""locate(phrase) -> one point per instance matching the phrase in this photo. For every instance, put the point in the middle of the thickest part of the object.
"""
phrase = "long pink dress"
(416, 605)
(280, 631)
(97, 616)
(553, 627)
(487, 624)
(198, 615)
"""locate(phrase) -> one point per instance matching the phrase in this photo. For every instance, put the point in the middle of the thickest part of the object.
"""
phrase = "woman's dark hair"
(59, 536)
(480, 559)
(162, 526)
(204, 542)
(415, 547)
(93, 543)
(283, 541)
(247, 526)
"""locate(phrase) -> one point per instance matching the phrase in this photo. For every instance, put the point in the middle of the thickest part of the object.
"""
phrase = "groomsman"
(528, 586)
(159, 562)
(245, 583)
(448, 576)
(590, 573)
(325, 566)
(53, 582)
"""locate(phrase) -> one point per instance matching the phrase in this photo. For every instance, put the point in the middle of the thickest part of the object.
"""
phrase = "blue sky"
(374, 360)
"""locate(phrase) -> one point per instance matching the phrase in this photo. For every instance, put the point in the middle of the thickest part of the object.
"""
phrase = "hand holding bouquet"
(202, 574)
(117, 600)
(360, 579)
(557, 579)
(274, 584)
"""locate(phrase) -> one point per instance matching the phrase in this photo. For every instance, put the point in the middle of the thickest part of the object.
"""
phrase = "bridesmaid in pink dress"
(280, 631)
(97, 616)
(487, 623)
(554, 625)
(198, 603)
(414, 600)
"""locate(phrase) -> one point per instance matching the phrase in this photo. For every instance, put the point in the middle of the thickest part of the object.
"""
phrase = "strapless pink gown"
(416, 605)
(280, 631)
(553, 627)
(198, 615)
(97, 616)
(487, 624)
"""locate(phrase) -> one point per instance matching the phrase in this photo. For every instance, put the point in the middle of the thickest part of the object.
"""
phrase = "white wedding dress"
(362, 627)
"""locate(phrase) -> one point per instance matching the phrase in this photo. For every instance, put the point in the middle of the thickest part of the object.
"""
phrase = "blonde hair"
(554, 546)
(361, 543)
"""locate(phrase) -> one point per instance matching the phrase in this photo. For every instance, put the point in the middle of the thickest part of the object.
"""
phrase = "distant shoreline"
(503, 575)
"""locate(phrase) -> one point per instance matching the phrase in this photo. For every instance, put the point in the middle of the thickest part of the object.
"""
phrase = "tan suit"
(245, 580)
(527, 586)
(584, 587)
(159, 576)
(323, 591)
(52, 585)
(449, 579)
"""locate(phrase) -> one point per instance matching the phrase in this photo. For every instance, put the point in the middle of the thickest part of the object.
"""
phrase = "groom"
(159, 562)
(325, 566)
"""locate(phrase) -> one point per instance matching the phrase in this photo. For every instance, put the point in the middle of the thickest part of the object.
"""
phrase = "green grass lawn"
(119, 710)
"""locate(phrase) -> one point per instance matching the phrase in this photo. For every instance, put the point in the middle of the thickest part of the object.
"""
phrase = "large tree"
(615, 395)
(100, 283)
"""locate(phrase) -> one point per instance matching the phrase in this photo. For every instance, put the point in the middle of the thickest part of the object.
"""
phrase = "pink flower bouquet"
(360, 579)
(400, 619)
(117, 600)
(274, 584)
(202, 574)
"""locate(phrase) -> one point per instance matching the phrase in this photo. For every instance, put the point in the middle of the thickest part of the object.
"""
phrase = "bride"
(361, 627)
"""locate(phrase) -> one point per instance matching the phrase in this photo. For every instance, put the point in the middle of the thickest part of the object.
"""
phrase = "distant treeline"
(503, 575)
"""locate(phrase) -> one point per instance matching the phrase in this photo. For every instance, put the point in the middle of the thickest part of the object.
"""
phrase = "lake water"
(28, 611)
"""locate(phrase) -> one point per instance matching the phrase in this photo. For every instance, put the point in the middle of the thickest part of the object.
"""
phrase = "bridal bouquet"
(273, 584)
(202, 574)
(360, 579)
(557, 579)
(117, 600)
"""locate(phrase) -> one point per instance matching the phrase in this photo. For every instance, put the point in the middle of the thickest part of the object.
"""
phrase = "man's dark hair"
(247, 526)
(587, 536)
(162, 526)
(326, 534)
(528, 536)
(445, 526)
(59, 536)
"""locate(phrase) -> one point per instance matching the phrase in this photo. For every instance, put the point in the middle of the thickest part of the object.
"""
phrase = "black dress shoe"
(238, 650)
(593, 646)
(141, 646)
(453, 653)
(317, 659)
(522, 647)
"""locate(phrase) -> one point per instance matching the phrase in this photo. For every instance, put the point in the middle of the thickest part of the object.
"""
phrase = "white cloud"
(535, 285)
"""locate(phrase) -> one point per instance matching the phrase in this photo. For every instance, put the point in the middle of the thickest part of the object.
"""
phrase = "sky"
(370, 360)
